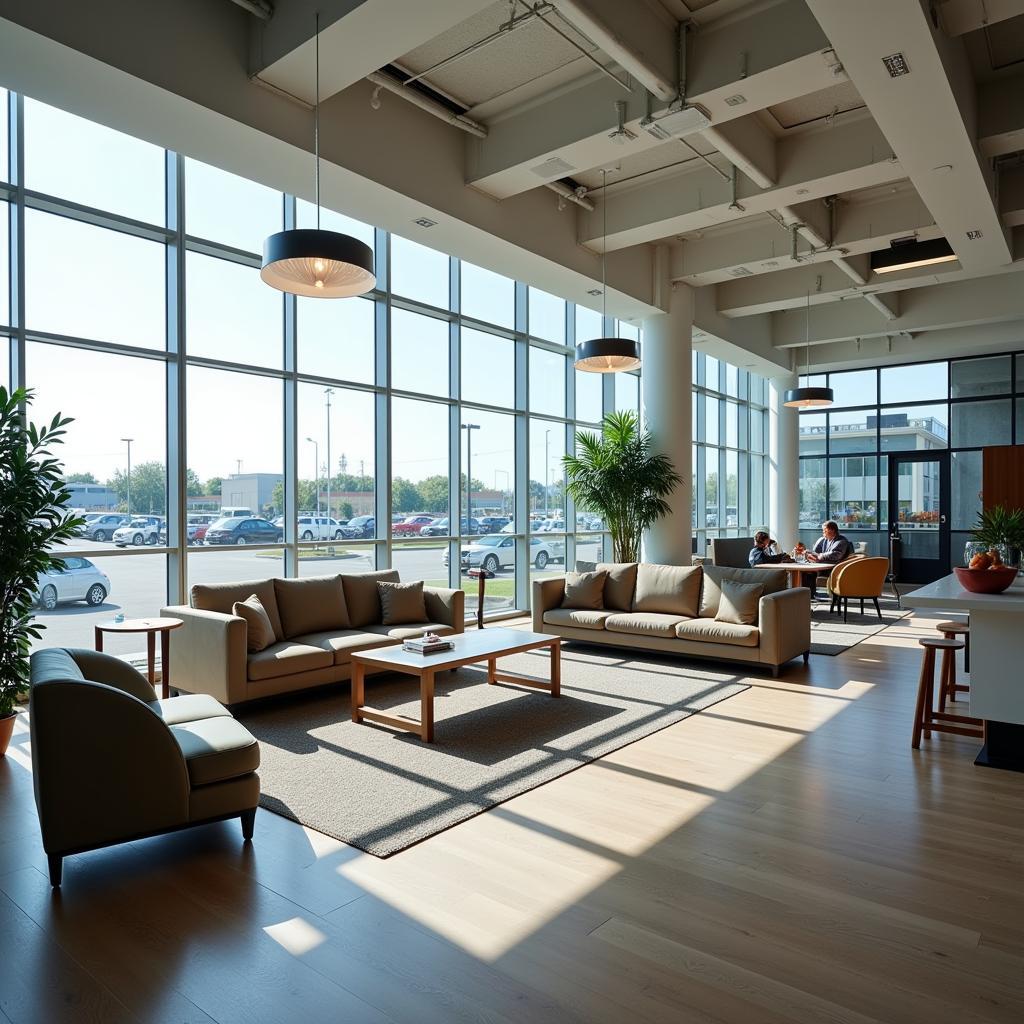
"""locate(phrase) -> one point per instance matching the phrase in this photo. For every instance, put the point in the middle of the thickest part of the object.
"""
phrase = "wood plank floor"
(784, 856)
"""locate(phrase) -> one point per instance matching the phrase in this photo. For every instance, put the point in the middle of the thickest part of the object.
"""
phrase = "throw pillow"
(618, 588)
(259, 633)
(584, 590)
(739, 602)
(667, 589)
(401, 603)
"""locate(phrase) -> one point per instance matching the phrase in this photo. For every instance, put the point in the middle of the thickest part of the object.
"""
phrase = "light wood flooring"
(784, 856)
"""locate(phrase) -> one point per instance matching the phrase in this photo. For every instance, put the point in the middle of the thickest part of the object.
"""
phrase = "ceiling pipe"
(567, 192)
(261, 9)
(417, 99)
(737, 157)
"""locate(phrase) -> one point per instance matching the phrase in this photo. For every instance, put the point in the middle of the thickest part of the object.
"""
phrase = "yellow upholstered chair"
(859, 578)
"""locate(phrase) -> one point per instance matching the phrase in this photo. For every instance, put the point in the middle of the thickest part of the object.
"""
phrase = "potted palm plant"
(33, 518)
(1000, 528)
(619, 474)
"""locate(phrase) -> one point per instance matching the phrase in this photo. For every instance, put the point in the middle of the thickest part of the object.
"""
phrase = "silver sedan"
(79, 580)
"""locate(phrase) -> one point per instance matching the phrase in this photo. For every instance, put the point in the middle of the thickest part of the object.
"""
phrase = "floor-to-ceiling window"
(447, 395)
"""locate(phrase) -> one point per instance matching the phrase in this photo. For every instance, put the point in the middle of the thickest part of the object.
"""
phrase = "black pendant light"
(312, 261)
(606, 355)
(807, 397)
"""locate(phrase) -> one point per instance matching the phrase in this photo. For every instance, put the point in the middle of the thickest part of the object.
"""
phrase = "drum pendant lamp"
(807, 397)
(606, 355)
(312, 261)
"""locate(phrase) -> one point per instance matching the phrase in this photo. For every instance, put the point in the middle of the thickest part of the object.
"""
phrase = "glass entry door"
(918, 515)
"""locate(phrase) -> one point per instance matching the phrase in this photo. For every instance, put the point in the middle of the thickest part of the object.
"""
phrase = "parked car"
(359, 528)
(496, 552)
(441, 527)
(87, 519)
(196, 526)
(493, 524)
(79, 580)
(411, 526)
(103, 527)
(550, 526)
(314, 527)
(238, 530)
(138, 531)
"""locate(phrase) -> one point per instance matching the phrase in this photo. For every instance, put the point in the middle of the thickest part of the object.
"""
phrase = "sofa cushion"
(580, 618)
(712, 631)
(259, 630)
(619, 586)
(668, 589)
(311, 605)
(643, 623)
(738, 603)
(342, 643)
(189, 707)
(401, 603)
(362, 598)
(286, 659)
(410, 630)
(216, 749)
(219, 597)
(711, 593)
(584, 590)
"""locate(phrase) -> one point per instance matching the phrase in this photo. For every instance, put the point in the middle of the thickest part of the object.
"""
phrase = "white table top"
(947, 593)
(474, 645)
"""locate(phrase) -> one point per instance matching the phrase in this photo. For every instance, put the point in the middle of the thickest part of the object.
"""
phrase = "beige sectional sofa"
(673, 609)
(318, 622)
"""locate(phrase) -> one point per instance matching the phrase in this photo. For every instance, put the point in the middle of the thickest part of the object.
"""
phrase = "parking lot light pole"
(469, 428)
(316, 471)
(128, 441)
(327, 394)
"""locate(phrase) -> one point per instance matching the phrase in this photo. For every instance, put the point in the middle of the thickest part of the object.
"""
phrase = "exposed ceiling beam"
(746, 59)
(748, 145)
(927, 115)
(812, 165)
(1011, 196)
(1001, 116)
(960, 16)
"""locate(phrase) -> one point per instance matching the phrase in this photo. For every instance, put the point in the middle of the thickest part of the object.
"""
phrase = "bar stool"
(926, 718)
(951, 631)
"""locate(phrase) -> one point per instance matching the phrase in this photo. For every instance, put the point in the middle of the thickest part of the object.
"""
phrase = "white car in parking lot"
(498, 551)
(141, 530)
(79, 580)
(312, 527)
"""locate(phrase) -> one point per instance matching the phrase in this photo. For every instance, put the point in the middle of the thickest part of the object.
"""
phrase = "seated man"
(830, 549)
(765, 551)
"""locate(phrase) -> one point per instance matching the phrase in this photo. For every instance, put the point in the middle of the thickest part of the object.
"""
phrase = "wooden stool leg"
(944, 678)
(929, 696)
(948, 677)
(919, 708)
(967, 653)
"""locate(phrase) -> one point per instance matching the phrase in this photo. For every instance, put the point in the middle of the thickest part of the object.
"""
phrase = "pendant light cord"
(316, 119)
(604, 249)
(807, 338)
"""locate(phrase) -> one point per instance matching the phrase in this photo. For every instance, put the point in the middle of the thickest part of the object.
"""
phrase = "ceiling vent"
(677, 124)
(553, 167)
(896, 65)
(425, 222)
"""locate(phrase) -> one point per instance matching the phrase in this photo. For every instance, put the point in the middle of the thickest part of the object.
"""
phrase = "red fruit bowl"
(985, 581)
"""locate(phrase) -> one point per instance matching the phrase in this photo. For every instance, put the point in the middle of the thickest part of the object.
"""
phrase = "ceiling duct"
(676, 125)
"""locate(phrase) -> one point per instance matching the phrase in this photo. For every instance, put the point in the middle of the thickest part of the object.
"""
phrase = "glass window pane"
(116, 293)
(5, 298)
(855, 387)
(547, 382)
(965, 479)
(853, 493)
(419, 457)
(973, 378)
(419, 353)
(488, 368)
(757, 430)
(757, 510)
(852, 432)
(625, 330)
(421, 561)
(335, 339)
(916, 429)
(919, 383)
(588, 324)
(231, 314)
(732, 424)
(329, 560)
(710, 419)
(91, 164)
(732, 380)
(731, 489)
(812, 433)
(419, 273)
(4, 175)
(813, 494)
(711, 373)
(547, 477)
(236, 440)
(233, 565)
(982, 423)
(223, 207)
(589, 399)
(488, 463)
(488, 296)
(547, 316)
(330, 220)
(627, 392)
(711, 509)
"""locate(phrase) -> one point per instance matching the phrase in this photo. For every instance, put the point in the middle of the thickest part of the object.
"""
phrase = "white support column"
(667, 396)
(784, 464)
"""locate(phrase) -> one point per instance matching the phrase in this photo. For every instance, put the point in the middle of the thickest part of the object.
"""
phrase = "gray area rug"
(383, 790)
(831, 636)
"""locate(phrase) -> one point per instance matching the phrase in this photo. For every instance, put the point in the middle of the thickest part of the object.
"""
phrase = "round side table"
(150, 627)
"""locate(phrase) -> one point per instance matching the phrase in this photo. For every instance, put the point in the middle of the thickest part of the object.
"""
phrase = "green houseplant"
(33, 518)
(1001, 528)
(619, 474)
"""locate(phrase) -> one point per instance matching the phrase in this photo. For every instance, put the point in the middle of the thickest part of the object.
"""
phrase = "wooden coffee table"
(470, 648)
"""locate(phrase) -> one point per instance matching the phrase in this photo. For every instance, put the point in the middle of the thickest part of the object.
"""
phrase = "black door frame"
(919, 570)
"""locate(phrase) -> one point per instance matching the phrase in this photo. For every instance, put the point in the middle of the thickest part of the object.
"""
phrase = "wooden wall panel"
(1003, 476)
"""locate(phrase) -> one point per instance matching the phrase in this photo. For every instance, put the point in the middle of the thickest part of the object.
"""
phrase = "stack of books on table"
(421, 646)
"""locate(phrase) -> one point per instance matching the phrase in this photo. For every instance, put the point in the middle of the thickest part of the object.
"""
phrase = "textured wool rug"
(382, 790)
(831, 636)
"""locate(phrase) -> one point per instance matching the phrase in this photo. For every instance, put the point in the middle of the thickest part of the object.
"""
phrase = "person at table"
(830, 549)
(765, 551)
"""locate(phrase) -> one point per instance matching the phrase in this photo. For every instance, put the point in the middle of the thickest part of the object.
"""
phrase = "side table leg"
(358, 690)
(556, 668)
(151, 657)
(99, 638)
(165, 662)
(427, 707)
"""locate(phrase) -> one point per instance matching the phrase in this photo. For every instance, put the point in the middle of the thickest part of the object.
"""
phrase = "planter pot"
(6, 732)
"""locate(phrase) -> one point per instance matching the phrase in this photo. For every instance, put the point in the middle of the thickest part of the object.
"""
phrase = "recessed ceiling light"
(425, 222)
(896, 65)
(974, 235)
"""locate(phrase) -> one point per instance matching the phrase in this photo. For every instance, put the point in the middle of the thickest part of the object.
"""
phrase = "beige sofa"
(318, 623)
(674, 611)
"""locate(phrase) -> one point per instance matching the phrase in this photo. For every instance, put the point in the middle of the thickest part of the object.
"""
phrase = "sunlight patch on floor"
(297, 935)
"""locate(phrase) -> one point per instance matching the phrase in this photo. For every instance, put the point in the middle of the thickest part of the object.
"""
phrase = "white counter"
(997, 643)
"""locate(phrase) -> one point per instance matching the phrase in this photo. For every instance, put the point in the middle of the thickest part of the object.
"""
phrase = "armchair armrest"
(105, 767)
(547, 594)
(105, 668)
(209, 653)
(446, 606)
(785, 624)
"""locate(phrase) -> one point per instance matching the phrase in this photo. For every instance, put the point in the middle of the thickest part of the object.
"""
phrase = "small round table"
(150, 627)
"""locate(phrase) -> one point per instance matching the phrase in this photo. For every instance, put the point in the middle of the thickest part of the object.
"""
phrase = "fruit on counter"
(997, 559)
(981, 561)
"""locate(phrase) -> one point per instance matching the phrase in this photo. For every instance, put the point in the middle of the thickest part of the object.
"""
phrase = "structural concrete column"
(667, 397)
(784, 464)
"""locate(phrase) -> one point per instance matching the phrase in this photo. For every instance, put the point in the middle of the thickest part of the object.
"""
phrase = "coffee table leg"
(99, 638)
(165, 662)
(556, 668)
(427, 707)
(151, 657)
(492, 667)
(358, 690)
